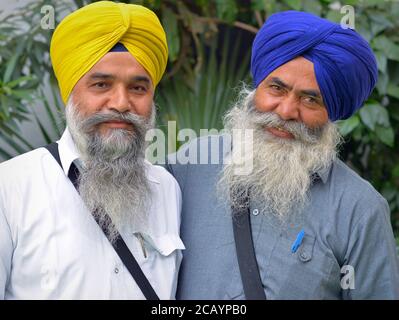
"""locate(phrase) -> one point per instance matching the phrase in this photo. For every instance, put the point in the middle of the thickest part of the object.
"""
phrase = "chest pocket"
(309, 273)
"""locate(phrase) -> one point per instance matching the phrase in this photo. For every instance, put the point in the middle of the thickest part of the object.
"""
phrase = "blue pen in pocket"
(298, 241)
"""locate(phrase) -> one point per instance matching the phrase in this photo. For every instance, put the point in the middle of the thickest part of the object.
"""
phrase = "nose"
(288, 108)
(119, 100)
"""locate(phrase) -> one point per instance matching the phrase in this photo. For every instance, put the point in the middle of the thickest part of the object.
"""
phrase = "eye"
(139, 89)
(276, 87)
(276, 90)
(100, 85)
(311, 100)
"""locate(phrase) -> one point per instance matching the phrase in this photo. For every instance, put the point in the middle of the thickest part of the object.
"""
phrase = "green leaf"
(294, 4)
(5, 154)
(389, 192)
(18, 81)
(23, 94)
(373, 114)
(368, 117)
(14, 133)
(386, 135)
(395, 171)
(12, 63)
(50, 113)
(381, 61)
(43, 131)
(258, 5)
(226, 10)
(348, 125)
(334, 16)
(4, 106)
(270, 6)
(10, 68)
(386, 45)
(379, 22)
(370, 3)
(352, 2)
(393, 90)
(312, 6)
(169, 22)
(382, 84)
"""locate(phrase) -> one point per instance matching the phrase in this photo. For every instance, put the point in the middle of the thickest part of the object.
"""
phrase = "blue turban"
(344, 64)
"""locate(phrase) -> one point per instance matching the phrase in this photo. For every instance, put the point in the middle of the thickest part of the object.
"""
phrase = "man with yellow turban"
(102, 223)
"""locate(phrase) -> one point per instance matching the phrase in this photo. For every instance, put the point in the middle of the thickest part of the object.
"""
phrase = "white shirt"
(52, 248)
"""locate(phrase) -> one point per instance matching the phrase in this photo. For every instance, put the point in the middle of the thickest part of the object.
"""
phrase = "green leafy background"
(209, 50)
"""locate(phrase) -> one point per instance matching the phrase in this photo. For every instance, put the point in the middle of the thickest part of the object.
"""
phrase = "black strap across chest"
(249, 270)
(119, 245)
(251, 280)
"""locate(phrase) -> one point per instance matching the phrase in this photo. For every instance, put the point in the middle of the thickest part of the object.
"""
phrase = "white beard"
(113, 179)
(282, 169)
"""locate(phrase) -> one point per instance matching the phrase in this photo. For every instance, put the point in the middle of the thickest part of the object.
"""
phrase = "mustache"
(90, 123)
(298, 129)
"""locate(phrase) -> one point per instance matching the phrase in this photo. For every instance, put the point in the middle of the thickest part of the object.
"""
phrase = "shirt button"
(116, 270)
(304, 257)
(255, 212)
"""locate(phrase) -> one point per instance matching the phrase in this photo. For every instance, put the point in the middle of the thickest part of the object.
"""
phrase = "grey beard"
(113, 178)
(282, 169)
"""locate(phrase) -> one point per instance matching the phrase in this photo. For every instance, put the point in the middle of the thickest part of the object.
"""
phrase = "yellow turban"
(87, 34)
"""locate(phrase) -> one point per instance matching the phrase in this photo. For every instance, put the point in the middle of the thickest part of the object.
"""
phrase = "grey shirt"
(348, 251)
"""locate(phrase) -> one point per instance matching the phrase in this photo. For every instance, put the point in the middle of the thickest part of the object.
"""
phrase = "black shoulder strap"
(252, 283)
(120, 246)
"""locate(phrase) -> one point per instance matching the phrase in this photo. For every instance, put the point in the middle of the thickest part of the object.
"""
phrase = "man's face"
(116, 83)
(108, 114)
(291, 91)
(291, 140)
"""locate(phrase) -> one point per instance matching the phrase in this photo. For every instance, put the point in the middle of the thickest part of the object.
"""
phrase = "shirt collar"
(324, 173)
(68, 151)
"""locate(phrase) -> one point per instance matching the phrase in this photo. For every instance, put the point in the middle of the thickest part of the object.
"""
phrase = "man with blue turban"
(88, 217)
(278, 215)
